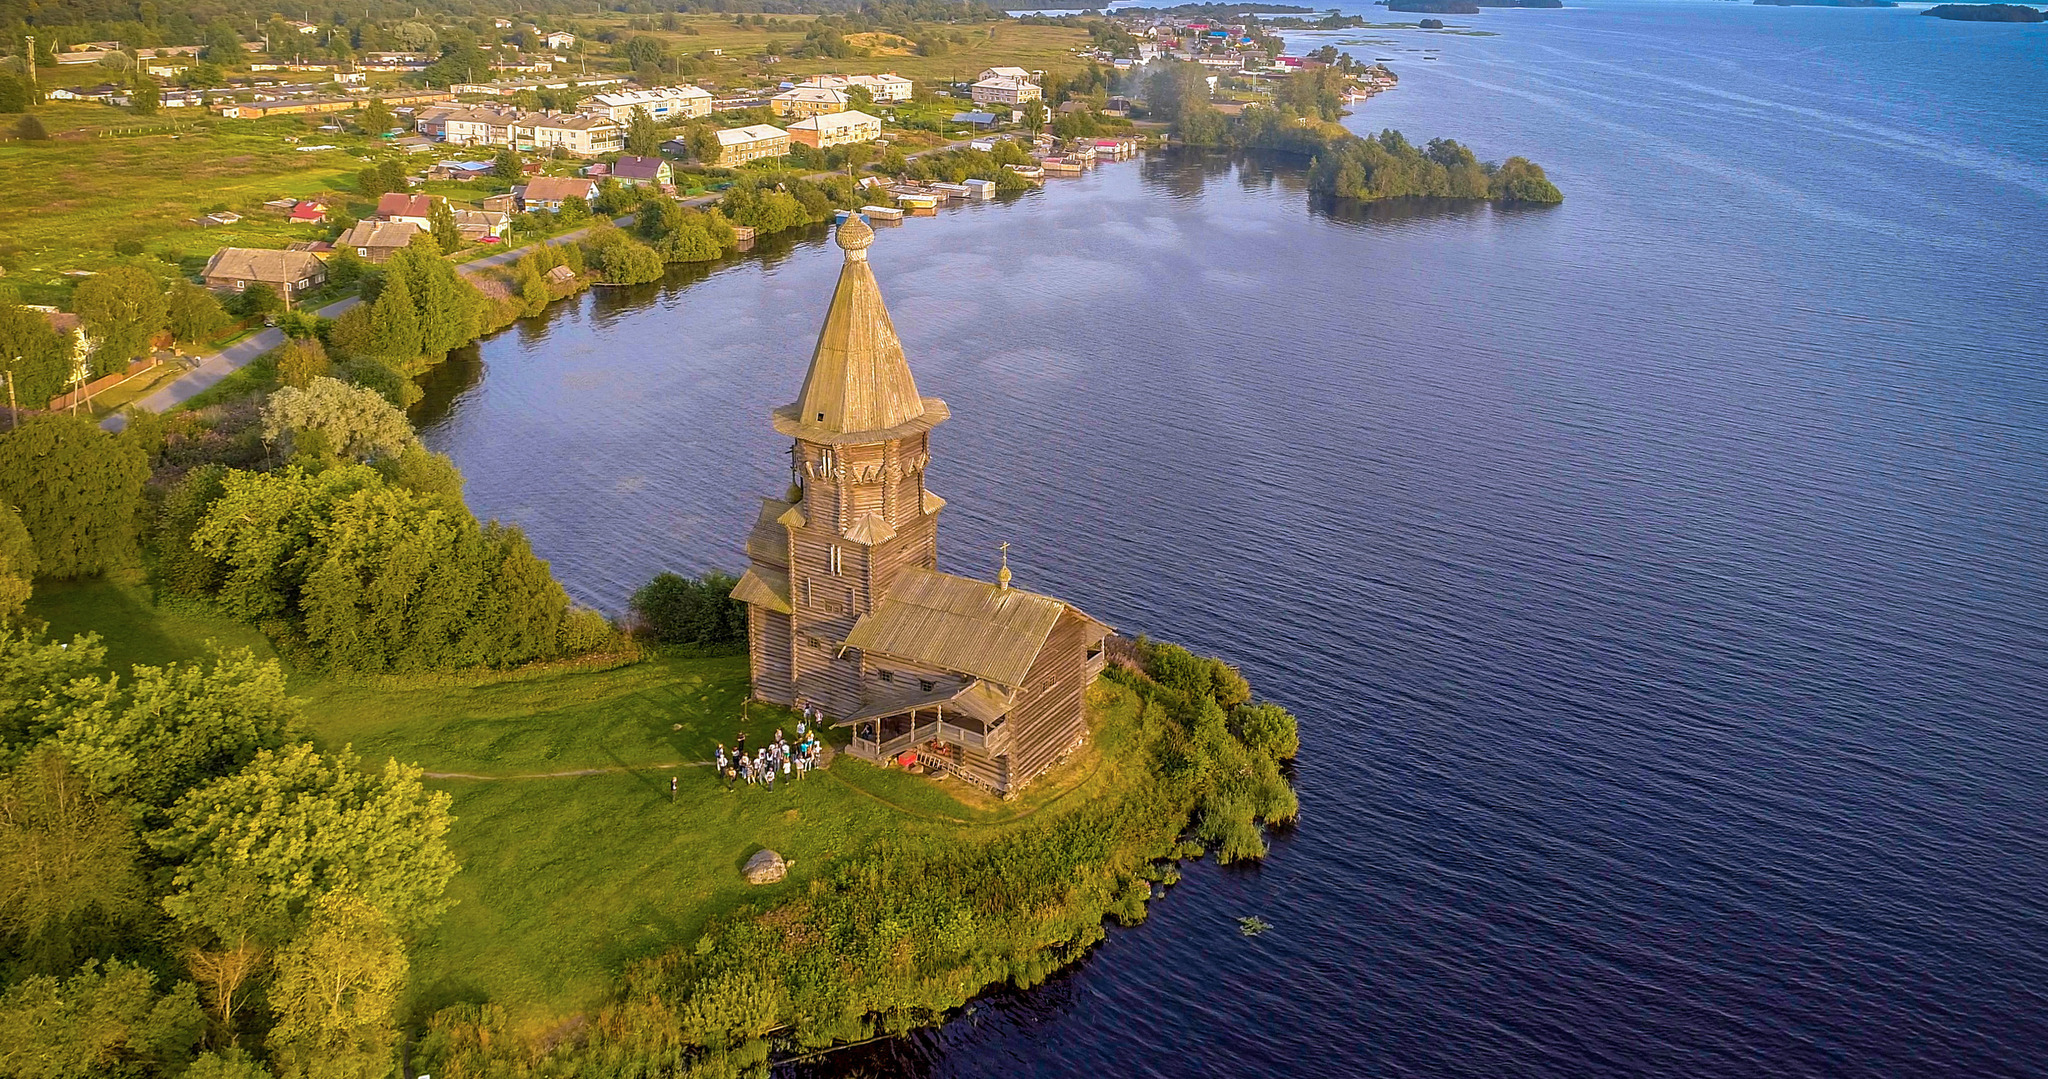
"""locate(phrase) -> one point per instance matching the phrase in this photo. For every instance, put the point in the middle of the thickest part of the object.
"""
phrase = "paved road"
(214, 368)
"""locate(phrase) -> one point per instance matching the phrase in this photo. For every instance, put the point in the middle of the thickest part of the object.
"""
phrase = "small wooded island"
(1986, 13)
(1463, 7)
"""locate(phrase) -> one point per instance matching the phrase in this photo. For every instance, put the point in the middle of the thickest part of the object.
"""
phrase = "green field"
(568, 877)
(66, 202)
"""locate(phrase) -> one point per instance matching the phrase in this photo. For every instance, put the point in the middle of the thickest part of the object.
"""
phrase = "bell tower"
(857, 512)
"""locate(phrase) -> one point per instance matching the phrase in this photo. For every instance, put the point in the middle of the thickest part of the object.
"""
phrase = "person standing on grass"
(767, 771)
(739, 744)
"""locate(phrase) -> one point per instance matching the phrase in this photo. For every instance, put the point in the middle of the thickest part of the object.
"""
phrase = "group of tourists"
(791, 760)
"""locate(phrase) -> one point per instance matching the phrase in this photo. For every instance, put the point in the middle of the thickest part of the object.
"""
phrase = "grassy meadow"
(66, 202)
(566, 878)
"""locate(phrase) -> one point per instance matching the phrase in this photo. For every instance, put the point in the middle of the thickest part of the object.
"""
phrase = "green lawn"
(567, 878)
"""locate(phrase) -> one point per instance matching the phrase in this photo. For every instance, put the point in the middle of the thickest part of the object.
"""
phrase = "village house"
(836, 129)
(739, 145)
(1007, 90)
(291, 273)
(559, 39)
(308, 212)
(643, 171)
(377, 241)
(882, 88)
(847, 610)
(470, 126)
(802, 102)
(580, 136)
(475, 225)
(461, 171)
(399, 206)
(663, 103)
(549, 192)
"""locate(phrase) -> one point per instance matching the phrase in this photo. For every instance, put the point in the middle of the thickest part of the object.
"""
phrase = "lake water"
(1658, 577)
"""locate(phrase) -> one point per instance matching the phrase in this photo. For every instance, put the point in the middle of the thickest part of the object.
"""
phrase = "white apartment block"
(662, 103)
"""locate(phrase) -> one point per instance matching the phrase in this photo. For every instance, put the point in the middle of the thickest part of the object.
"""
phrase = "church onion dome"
(859, 388)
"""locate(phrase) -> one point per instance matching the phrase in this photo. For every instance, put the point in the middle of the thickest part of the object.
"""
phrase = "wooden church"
(847, 608)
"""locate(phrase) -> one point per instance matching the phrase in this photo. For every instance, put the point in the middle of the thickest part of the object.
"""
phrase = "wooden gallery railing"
(935, 729)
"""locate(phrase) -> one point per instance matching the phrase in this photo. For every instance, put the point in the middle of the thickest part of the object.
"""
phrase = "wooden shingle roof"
(859, 387)
(262, 264)
(959, 624)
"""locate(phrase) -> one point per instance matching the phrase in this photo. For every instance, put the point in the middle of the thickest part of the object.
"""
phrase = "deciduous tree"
(170, 729)
(122, 308)
(36, 356)
(259, 850)
(68, 871)
(300, 361)
(377, 117)
(337, 991)
(77, 488)
(101, 1021)
(194, 313)
(356, 424)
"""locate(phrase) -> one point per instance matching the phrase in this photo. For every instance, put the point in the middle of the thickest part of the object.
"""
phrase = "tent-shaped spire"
(859, 387)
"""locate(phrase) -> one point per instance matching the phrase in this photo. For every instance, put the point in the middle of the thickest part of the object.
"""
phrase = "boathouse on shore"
(847, 609)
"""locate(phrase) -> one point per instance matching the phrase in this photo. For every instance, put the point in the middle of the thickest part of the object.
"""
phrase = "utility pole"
(33, 95)
(13, 414)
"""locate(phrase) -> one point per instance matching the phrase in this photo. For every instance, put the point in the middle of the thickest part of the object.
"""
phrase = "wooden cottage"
(847, 609)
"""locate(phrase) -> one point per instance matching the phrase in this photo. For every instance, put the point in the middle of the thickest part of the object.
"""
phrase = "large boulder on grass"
(766, 867)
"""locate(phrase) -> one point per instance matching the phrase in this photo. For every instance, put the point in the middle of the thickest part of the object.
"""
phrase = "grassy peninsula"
(352, 779)
(587, 900)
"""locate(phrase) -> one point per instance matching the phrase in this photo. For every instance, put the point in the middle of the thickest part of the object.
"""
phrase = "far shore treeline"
(1302, 122)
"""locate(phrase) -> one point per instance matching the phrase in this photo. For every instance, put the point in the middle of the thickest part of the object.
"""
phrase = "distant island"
(1434, 7)
(1826, 3)
(1986, 13)
(1462, 7)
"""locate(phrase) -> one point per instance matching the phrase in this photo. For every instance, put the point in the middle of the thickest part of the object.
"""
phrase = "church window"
(886, 676)
(807, 592)
(925, 684)
(835, 560)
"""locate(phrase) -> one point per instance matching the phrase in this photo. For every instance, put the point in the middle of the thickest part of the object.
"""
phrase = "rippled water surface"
(1658, 577)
